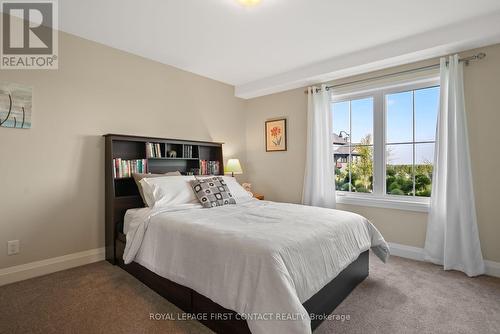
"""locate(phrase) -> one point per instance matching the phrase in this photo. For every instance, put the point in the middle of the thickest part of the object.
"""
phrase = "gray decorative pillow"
(212, 192)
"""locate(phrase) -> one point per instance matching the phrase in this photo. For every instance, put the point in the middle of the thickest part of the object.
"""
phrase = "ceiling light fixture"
(249, 3)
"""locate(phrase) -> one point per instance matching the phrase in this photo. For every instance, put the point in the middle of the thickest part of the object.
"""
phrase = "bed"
(256, 258)
(251, 267)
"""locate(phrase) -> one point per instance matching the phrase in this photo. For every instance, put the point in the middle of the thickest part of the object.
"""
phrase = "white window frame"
(378, 197)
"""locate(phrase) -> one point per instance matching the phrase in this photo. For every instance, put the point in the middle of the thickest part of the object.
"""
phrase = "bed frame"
(122, 195)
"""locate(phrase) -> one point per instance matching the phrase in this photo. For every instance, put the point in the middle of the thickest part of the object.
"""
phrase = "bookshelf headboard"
(127, 154)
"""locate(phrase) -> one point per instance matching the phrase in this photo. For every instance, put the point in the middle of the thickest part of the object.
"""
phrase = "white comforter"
(261, 259)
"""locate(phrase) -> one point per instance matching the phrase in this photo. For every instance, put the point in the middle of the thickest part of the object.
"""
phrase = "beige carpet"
(402, 296)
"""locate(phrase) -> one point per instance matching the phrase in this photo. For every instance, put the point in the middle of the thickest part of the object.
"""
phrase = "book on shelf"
(153, 150)
(209, 167)
(125, 168)
(187, 151)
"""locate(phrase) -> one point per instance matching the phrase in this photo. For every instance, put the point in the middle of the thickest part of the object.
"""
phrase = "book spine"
(118, 167)
(122, 168)
(216, 168)
(158, 150)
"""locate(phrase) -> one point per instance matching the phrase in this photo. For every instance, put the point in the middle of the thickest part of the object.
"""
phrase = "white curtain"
(319, 182)
(452, 236)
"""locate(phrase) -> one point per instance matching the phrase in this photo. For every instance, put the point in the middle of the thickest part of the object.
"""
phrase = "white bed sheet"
(257, 258)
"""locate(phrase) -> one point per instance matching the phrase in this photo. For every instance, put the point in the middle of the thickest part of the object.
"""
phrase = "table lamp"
(233, 166)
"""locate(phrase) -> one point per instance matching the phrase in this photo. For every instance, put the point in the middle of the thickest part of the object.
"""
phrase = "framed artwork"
(276, 135)
(15, 106)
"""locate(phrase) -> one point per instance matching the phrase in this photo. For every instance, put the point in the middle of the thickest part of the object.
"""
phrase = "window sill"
(389, 202)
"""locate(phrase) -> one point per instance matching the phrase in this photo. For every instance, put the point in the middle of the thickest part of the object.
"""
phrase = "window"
(353, 145)
(383, 143)
(410, 138)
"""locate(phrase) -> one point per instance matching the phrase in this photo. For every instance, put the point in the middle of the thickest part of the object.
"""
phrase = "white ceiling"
(272, 44)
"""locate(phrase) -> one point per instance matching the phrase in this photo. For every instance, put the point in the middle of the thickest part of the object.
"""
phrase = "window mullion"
(378, 144)
(349, 157)
(414, 170)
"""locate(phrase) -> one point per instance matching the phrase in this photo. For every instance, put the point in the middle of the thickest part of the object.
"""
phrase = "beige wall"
(52, 175)
(279, 176)
(52, 184)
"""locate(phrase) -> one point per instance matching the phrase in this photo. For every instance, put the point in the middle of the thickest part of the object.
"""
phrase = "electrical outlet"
(12, 247)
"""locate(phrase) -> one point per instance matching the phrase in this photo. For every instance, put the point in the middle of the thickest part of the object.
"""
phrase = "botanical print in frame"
(276, 135)
(15, 105)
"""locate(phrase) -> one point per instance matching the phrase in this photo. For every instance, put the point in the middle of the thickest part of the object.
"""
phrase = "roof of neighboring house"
(345, 150)
(338, 140)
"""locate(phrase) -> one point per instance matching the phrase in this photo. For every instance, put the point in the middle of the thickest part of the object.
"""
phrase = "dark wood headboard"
(122, 193)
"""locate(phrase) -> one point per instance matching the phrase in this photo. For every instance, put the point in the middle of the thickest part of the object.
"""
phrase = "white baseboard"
(409, 252)
(416, 253)
(44, 267)
(492, 268)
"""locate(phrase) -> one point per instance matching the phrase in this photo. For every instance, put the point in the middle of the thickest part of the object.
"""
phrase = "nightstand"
(258, 196)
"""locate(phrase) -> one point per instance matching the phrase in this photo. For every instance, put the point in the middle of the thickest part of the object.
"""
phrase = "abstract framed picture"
(15, 105)
(276, 135)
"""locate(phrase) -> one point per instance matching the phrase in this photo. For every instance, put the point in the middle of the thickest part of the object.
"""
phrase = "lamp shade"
(233, 166)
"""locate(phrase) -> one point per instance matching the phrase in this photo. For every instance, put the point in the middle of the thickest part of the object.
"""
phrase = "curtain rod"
(466, 61)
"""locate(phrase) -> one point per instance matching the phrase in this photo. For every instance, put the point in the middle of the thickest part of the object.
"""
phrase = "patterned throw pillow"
(212, 192)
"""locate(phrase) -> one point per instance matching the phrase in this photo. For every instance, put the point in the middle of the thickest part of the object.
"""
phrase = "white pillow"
(240, 195)
(168, 191)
